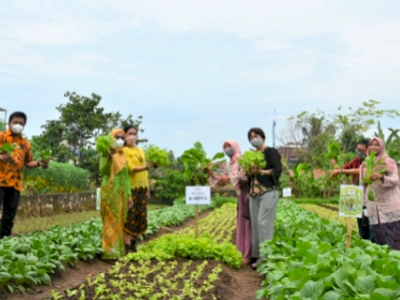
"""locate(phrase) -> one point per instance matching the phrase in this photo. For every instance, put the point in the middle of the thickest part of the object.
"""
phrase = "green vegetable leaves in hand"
(372, 167)
(45, 155)
(104, 144)
(157, 156)
(8, 148)
(251, 159)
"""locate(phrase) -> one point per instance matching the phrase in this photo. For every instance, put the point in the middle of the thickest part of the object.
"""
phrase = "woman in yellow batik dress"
(136, 222)
(115, 194)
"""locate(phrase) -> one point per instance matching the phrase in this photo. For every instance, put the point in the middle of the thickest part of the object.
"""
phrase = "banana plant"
(195, 160)
(392, 143)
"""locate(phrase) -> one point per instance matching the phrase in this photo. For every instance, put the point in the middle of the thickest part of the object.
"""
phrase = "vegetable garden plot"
(176, 279)
(307, 259)
(157, 270)
(329, 214)
(219, 225)
(29, 259)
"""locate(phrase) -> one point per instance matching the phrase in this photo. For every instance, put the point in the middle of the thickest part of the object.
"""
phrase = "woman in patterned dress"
(136, 222)
(115, 193)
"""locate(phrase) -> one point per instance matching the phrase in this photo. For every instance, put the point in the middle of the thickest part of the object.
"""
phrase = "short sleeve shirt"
(11, 172)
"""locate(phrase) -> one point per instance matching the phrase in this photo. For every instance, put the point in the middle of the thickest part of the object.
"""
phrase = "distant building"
(288, 152)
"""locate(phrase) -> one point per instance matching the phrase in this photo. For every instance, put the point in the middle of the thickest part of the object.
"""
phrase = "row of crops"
(307, 259)
(174, 266)
(31, 258)
(330, 212)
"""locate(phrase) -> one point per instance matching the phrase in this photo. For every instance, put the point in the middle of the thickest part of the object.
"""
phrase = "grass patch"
(44, 223)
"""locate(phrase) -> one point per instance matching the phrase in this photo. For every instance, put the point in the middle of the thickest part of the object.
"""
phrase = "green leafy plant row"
(30, 258)
(307, 259)
(174, 245)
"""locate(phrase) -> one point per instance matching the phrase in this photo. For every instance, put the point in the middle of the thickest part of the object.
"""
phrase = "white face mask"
(256, 142)
(17, 128)
(119, 143)
(131, 140)
(229, 151)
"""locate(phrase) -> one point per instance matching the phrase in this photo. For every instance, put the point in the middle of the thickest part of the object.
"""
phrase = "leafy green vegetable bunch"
(45, 155)
(104, 144)
(195, 160)
(251, 159)
(372, 166)
(333, 152)
(157, 156)
(8, 148)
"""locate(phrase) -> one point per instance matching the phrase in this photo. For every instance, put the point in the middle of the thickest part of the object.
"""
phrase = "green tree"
(392, 142)
(72, 137)
(313, 132)
(352, 126)
(3, 126)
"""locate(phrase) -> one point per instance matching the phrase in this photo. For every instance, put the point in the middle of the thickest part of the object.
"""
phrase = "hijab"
(118, 159)
(234, 174)
(381, 158)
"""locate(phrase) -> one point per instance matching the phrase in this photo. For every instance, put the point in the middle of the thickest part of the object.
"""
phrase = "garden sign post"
(286, 192)
(196, 195)
(350, 206)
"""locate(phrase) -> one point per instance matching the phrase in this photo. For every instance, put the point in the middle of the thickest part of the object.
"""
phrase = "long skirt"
(262, 213)
(136, 221)
(388, 234)
(243, 230)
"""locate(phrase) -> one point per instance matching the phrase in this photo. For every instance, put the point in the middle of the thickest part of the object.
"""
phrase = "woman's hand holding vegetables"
(376, 176)
(255, 170)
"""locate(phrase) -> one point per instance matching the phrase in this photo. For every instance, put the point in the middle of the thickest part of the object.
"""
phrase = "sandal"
(256, 263)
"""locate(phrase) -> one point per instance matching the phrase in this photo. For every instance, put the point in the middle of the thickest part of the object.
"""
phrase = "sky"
(200, 70)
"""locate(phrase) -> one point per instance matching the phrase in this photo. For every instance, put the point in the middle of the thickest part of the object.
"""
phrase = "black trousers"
(365, 229)
(9, 199)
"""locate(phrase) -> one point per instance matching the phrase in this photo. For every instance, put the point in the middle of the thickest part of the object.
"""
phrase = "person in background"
(11, 166)
(264, 192)
(115, 194)
(136, 222)
(234, 174)
(353, 168)
(384, 211)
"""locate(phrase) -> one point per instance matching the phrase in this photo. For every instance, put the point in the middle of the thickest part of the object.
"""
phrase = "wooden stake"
(348, 237)
(197, 222)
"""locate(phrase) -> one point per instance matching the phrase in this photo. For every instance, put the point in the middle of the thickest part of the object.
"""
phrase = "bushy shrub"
(58, 178)
(170, 186)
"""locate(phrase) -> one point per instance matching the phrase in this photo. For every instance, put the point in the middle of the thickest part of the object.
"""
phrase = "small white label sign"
(198, 195)
(287, 192)
(98, 198)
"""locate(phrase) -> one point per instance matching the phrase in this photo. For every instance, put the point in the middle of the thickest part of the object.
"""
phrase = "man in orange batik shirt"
(11, 165)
